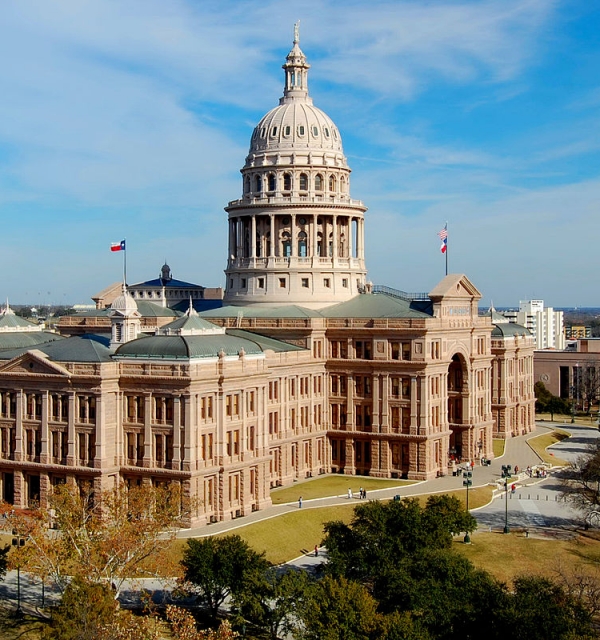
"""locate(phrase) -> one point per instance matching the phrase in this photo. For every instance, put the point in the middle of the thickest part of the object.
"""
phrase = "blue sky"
(132, 119)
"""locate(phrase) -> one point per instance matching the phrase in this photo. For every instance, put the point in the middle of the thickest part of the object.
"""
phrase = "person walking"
(316, 551)
(300, 502)
(349, 493)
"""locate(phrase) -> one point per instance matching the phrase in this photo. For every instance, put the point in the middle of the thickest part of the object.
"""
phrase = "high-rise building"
(545, 324)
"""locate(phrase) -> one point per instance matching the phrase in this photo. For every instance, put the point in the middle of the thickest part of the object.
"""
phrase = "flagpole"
(446, 248)
(125, 263)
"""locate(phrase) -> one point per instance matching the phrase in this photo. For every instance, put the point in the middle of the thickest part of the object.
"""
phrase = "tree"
(215, 568)
(270, 601)
(540, 609)
(84, 610)
(581, 484)
(339, 609)
(546, 402)
(183, 627)
(383, 532)
(123, 535)
(587, 386)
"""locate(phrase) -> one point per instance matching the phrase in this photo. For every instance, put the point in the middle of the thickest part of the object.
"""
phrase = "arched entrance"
(457, 408)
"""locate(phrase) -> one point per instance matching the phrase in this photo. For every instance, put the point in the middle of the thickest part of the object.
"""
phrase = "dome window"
(318, 182)
(247, 184)
(273, 132)
(272, 182)
(255, 133)
(303, 182)
(287, 130)
(326, 130)
(334, 134)
(287, 182)
(331, 183)
(315, 131)
(263, 132)
(258, 184)
(301, 130)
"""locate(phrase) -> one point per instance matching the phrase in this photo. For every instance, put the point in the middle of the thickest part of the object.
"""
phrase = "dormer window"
(301, 130)
(273, 132)
(287, 130)
(263, 132)
(315, 131)
(326, 130)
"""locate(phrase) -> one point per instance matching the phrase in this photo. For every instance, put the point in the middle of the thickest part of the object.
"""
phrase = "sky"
(132, 119)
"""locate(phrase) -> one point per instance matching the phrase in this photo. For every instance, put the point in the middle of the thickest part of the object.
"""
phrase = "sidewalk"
(517, 452)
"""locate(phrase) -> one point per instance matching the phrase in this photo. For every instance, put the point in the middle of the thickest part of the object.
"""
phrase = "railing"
(334, 198)
(396, 293)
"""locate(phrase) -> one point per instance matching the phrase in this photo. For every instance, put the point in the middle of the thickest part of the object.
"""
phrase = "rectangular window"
(327, 283)
(261, 283)
(345, 283)
(282, 283)
(305, 283)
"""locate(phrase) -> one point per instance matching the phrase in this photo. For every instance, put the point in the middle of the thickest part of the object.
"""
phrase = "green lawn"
(498, 445)
(333, 485)
(509, 555)
(540, 443)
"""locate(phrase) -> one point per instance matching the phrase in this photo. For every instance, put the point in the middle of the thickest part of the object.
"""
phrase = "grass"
(334, 485)
(11, 628)
(498, 445)
(507, 556)
(292, 534)
(540, 443)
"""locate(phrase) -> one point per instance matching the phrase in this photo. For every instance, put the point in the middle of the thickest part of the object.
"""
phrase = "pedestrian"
(360, 493)
(364, 494)
(513, 488)
(349, 493)
(316, 550)
(516, 469)
(300, 502)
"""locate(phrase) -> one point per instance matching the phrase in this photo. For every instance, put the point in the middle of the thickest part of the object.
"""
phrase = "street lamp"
(18, 541)
(506, 473)
(467, 482)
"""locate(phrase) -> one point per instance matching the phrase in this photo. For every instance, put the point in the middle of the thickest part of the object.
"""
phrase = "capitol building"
(304, 369)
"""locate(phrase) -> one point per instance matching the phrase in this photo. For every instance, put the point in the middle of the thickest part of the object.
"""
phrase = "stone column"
(188, 441)
(253, 237)
(334, 239)
(413, 406)
(294, 239)
(273, 238)
(71, 456)
(100, 454)
(176, 462)
(147, 460)
(19, 431)
(45, 434)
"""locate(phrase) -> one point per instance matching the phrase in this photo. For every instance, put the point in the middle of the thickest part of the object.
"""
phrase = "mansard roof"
(378, 305)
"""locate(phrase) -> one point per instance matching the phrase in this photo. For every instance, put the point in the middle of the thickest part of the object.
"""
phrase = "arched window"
(258, 184)
(303, 182)
(318, 182)
(320, 250)
(302, 244)
(247, 184)
(272, 182)
(258, 245)
(332, 183)
(286, 244)
(268, 243)
(287, 182)
(342, 184)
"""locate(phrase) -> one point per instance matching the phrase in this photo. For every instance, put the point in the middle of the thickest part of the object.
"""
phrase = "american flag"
(443, 235)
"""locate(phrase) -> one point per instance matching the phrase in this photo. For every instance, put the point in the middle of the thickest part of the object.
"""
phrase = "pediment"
(455, 286)
(34, 362)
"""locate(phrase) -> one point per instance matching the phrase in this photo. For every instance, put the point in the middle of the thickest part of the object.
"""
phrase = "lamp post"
(18, 541)
(467, 482)
(506, 473)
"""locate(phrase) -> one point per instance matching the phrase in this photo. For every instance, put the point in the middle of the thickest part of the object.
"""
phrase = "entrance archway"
(457, 407)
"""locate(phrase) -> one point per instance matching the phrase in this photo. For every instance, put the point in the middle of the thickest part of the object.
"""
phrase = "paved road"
(538, 505)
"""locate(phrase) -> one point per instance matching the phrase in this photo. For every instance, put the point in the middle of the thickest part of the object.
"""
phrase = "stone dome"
(124, 303)
(295, 124)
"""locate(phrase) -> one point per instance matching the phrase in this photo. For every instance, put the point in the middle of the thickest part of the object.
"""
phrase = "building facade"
(307, 368)
(545, 324)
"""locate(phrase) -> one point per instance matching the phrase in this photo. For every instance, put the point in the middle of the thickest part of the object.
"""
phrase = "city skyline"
(132, 121)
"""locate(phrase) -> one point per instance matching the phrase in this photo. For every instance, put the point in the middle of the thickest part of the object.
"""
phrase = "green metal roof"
(262, 311)
(13, 321)
(26, 339)
(146, 309)
(264, 341)
(186, 347)
(509, 330)
(86, 348)
(191, 323)
(378, 305)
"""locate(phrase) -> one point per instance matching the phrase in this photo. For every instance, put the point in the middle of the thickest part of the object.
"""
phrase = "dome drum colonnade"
(295, 236)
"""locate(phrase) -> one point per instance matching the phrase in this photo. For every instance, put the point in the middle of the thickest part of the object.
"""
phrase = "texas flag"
(118, 246)
(443, 234)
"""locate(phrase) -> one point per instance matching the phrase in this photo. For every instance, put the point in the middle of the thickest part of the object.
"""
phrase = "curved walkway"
(517, 452)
